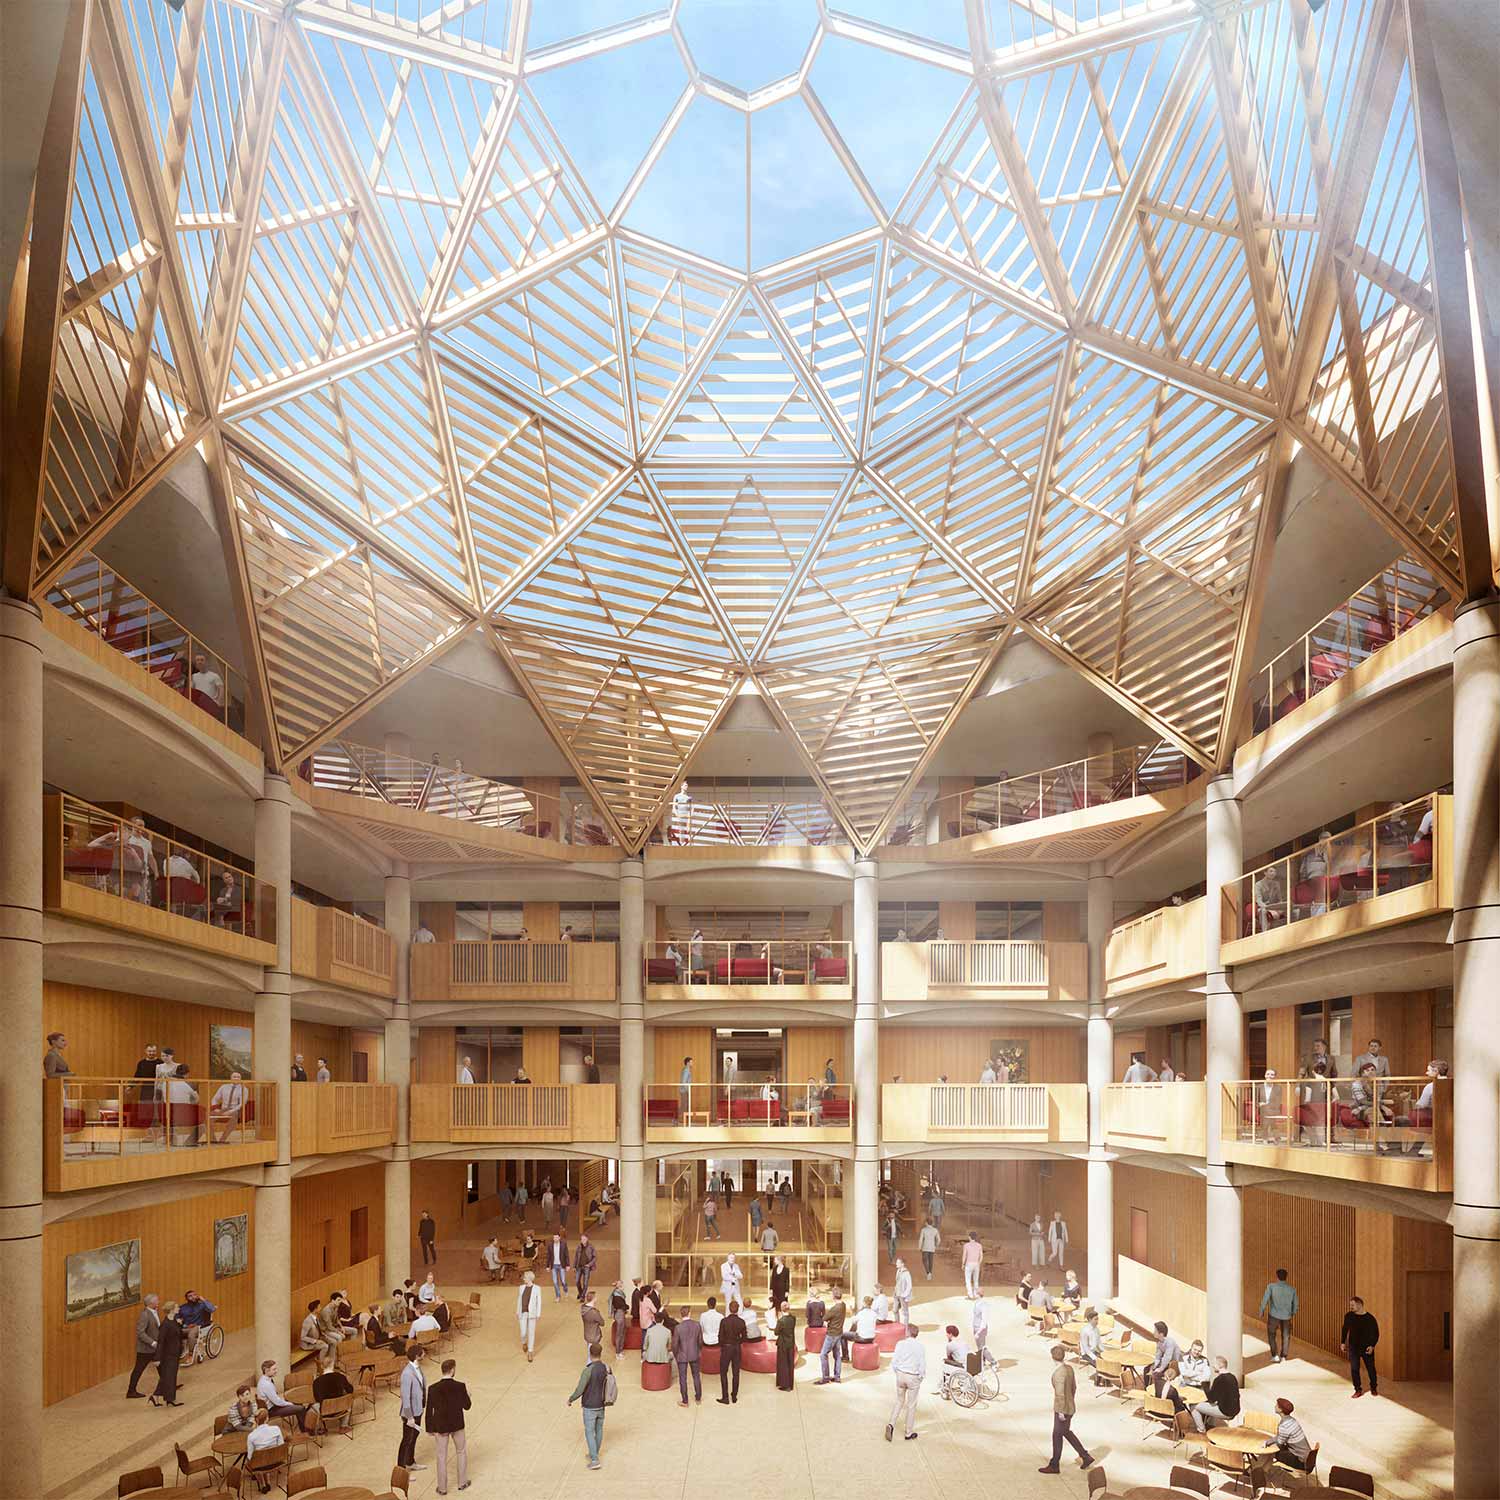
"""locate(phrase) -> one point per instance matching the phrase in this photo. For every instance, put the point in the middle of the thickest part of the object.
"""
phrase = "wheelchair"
(980, 1381)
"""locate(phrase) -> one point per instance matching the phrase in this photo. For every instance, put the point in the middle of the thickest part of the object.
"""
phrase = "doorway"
(749, 1057)
(359, 1068)
(1140, 1236)
(1428, 1351)
(359, 1235)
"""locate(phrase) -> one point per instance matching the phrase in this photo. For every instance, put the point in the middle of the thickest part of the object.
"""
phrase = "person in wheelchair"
(955, 1368)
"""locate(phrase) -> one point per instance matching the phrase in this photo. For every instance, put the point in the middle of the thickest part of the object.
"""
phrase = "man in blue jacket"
(1278, 1305)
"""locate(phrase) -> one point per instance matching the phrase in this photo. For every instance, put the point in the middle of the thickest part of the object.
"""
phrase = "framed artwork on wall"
(1016, 1056)
(231, 1246)
(230, 1051)
(102, 1280)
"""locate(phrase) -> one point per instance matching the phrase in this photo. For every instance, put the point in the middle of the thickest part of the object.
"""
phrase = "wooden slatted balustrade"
(980, 1112)
(341, 948)
(333, 1117)
(500, 969)
(488, 1112)
(1158, 1117)
(1162, 947)
(1005, 969)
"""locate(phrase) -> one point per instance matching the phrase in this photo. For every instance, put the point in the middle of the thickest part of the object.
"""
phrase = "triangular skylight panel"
(876, 580)
(748, 532)
(748, 402)
(367, 442)
(621, 580)
(523, 478)
(557, 337)
(962, 207)
(938, 340)
(535, 205)
(314, 288)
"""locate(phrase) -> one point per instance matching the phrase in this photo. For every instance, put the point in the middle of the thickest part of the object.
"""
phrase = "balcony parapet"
(499, 969)
(1167, 1118)
(329, 1118)
(1161, 948)
(342, 949)
(708, 969)
(1021, 971)
(985, 1113)
(479, 1113)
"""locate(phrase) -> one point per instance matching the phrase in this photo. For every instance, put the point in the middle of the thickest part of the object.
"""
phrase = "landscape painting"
(231, 1246)
(1016, 1056)
(229, 1051)
(101, 1280)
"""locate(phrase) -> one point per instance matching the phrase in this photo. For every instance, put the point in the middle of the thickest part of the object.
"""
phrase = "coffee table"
(344, 1492)
(230, 1445)
(1248, 1442)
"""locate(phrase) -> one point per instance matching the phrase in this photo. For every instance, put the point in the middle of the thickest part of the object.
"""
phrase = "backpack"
(611, 1389)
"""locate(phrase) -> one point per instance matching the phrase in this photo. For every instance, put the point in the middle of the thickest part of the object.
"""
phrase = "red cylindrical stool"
(632, 1335)
(759, 1358)
(655, 1377)
(812, 1339)
(888, 1335)
(865, 1356)
(711, 1359)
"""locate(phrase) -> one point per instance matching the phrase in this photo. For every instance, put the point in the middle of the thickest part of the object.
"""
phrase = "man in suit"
(786, 1346)
(584, 1261)
(147, 1337)
(447, 1402)
(413, 1404)
(731, 1337)
(687, 1350)
(557, 1264)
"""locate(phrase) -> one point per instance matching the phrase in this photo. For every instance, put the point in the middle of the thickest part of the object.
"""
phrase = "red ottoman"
(759, 1358)
(812, 1339)
(865, 1356)
(711, 1359)
(632, 1335)
(655, 1377)
(888, 1335)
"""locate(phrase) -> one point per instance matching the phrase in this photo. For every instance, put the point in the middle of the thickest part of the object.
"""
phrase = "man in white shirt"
(1088, 1338)
(206, 681)
(709, 1320)
(903, 1292)
(864, 1323)
(1038, 1237)
(928, 1240)
(423, 934)
(731, 1279)
(882, 1306)
(528, 1310)
(426, 1322)
(466, 1071)
(1168, 1073)
(225, 1106)
(180, 867)
(1138, 1072)
(909, 1366)
(270, 1398)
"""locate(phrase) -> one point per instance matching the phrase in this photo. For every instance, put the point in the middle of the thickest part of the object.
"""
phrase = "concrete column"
(1476, 1040)
(22, 1019)
(398, 1071)
(864, 1213)
(273, 1061)
(1224, 1036)
(637, 1215)
(1101, 1054)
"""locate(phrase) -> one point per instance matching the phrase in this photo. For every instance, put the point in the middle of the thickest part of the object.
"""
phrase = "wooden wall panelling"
(177, 1253)
(1062, 922)
(1174, 1204)
(440, 917)
(1126, 1042)
(313, 1040)
(1281, 1040)
(956, 921)
(443, 1188)
(670, 1044)
(541, 1053)
(322, 1206)
(920, 1053)
(363, 1281)
(1316, 1242)
(372, 1044)
(1402, 1021)
(541, 920)
(108, 1030)
(437, 1055)
(304, 938)
(808, 1048)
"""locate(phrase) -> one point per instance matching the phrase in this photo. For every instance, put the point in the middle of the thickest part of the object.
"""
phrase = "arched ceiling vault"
(668, 383)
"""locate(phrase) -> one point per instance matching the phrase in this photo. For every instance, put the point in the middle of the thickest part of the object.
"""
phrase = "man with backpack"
(596, 1388)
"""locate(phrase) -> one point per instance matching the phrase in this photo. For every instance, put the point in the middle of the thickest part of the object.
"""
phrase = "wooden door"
(1427, 1346)
(359, 1067)
(325, 1247)
(359, 1235)
(1140, 1236)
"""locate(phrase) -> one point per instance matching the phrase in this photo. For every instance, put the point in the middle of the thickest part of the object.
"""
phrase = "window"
(1013, 920)
(918, 920)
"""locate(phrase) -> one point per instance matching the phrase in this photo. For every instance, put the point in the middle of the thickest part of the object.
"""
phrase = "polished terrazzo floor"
(814, 1442)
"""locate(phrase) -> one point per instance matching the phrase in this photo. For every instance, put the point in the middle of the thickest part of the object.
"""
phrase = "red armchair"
(830, 971)
(661, 1111)
(661, 971)
(744, 970)
(836, 1111)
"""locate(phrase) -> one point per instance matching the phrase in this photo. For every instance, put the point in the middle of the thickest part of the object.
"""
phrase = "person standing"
(726, 1182)
(593, 1321)
(786, 1346)
(619, 1313)
(528, 1310)
(557, 1264)
(892, 1232)
(548, 1203)
(833, 1341)
(53, 1065)
(928, 1240)
(168, 1358)
(522, 1195)
(447, 1402)
(711, 1217)
(769, 1240)
(1358, 1339)
(731, 1279)
(687, 1350)
(413, 1404)
(427, 1237)
(147, 1340)
(585, 1258)
(1057, 1237)
(1038, 1241)
(909, 1366)
(973, 1259)
(903, 1292)
(936, 1207)
(299, 1072)
(731, 1340)
(685, 1089)
(1064, 1405)
(564, 1203)
(1278, 1305)
(593, 1389)
(757, 1213)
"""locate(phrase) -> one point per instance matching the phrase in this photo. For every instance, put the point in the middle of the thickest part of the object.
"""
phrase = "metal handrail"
(1378, 1115)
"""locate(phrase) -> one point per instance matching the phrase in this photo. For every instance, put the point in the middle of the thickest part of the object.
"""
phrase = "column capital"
(21, 620)
(866, 868)
(275, 788)
(632, 867)
(1220, 789)
(1476, 620)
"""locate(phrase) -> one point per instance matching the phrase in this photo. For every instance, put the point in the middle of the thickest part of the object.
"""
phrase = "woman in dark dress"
(168, 1357)
(781, 1282)
(786, 1347)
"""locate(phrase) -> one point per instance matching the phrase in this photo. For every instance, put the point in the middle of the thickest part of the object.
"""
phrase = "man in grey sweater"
(687, 1350)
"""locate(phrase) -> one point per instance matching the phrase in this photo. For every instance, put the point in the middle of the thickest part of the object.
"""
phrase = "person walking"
(528, 1310)
(447, 1401)
(548, 1202)
(413, 1404)
(973, 1259)
(1358, 1339)
(909, 1366)
(585, 1258)
(769, 1240)
(596, 1389)
(928, 1240)
(834, 1316)
(687, 1350)
(1064, 1405)
(1038, 1241)
(147, 1340)
(726, 1182)
(903, 1292)
(592, 1320)
(1057, 1238)
(427, 1237)
(786, 1346)
(507, 1198)
(557, 1264)
(169, 1357)
(711, 1217)
(1278, 1306)
(731, 1339)
(731, 1279)
(757, 1213)
(892, 1231)
(564, 1203)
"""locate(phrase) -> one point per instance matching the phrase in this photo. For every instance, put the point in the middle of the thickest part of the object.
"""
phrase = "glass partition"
(747, 811)
(700, 960)
(754, 1100)
(1386, 1116)
(131, 1116)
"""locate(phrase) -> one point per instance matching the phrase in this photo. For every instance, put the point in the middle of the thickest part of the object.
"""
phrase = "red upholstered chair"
(1325, 668)
(661, 1111)
(1348, 1120)
(1421, 1117)
(1377, 633)
(633, 1335)
(594, 834)
(185, 894)
(207, 704)
(753, 970)
(655, 1377)
(721, 1111)
(1291, 701)
(711, 1355)
(830, 971)
(836, 1111)
(661, 971)
(888, 1335)
(812, 1339)
(864, 1356)
(760, 1357)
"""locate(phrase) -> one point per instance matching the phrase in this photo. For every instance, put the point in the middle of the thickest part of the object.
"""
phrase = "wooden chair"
(139, 1479)
(220, 1423)
(187, 1467)
(1189, 1479)
(364, 1394)
(267, 1463)
(295, 1434)
(1111, 1373)
(1185, 1432)
(400, 1480)
(1261, 1421)
(476, 1312)
(335, 1415)
(1099, 1485)
(315, 1478)
(1340, 1478)
(299, 1395)
(1159, 1410)
(389, 1373)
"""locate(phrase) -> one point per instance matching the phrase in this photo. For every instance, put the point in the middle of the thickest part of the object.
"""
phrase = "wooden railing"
(486, 962)
(341, 948)
(1161, 947)
(482, 1112)
(1005, 1111)
(334, 1117)
(498, 969)
(1163, 1117)
(365, 1283)
(822, 967)
(1008, 969)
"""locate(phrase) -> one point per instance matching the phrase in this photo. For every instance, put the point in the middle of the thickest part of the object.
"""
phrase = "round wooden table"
(342, 1492)
(231, 1444)
(1155, 1492)
(1246, 1441)
(171, 1492)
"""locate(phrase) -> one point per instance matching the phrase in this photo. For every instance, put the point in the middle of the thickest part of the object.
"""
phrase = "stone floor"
(824, 1442)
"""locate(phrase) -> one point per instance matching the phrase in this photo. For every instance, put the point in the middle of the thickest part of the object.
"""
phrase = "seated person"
(265, 1434)
(1292, 1446)
(225, 1108)
(490, 1259)
(328, 1385)
(754, 1333)
(529, 1247)
(348, 1318)
(396, 1314)
(1023, 1292)
(862, 1330)
(196, 1314)
(272, 1399)
(816, 1309)
(443, 1314)
(656, 1344)
(315, 1337)
(241, 1417)
(428, 1291)
(1222, 1405)
(426, 1321)
(1421, 1115)
(1193, 1369)
(375, 1335)
(884, 1313)
(597, 1212)
(955, 1351)
(1363, 1093)
(1072, 1291)
(1041, 1301)
(1088, 1338)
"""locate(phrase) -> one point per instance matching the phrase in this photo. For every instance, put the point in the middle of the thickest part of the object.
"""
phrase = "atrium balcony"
(1165, 1118)
(770, 1114)
(506, 969)
(778, 969)
(102, 1132)
(1013, 970)
(329, 1118)
(1156, 951)
(1391, 869)
(501, 1113)
(747, 813)
(1380, 1131)
(102, 868)
(1084, 809)
(342, 949)
(985, 1114)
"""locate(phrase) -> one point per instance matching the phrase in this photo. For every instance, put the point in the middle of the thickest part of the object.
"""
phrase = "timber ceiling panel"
(679, 383)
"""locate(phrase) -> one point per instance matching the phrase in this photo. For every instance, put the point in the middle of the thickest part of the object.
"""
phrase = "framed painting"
(230, 1051)
(99, 1281)
(1016, 1058)
(231, 1246)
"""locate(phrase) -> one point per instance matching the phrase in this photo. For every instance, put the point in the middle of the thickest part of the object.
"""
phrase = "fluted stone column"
(864, 1213)
(398, 1071)
(1101, 1054)
(22, 1019)
(1224, 1037)
(273, 1061)
(1476, 1043)
(635, 1225)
